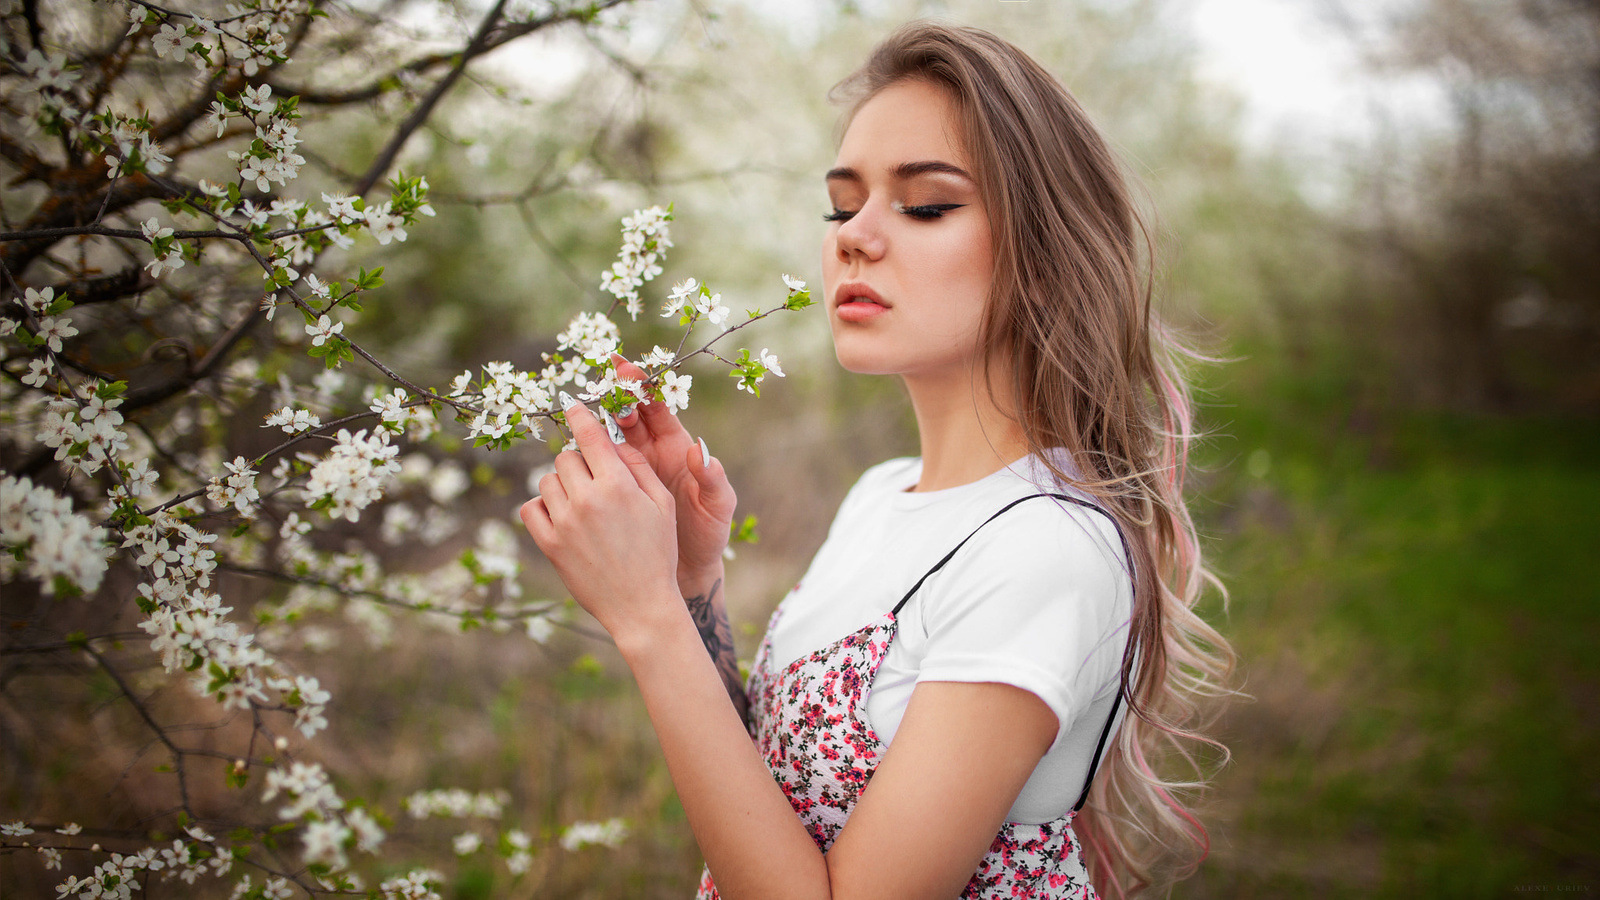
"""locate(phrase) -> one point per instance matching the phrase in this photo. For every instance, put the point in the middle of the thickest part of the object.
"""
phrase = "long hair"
(1092, 370)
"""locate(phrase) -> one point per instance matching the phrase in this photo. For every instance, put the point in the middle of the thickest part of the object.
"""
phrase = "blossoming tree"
(152, 240)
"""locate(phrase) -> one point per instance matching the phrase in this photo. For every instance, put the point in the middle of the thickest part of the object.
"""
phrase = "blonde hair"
(1092, 370)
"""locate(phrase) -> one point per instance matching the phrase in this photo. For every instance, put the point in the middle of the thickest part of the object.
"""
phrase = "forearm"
(752, 840)
(708, 608)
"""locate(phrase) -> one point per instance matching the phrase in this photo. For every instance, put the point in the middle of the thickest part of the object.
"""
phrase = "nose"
(863, 235)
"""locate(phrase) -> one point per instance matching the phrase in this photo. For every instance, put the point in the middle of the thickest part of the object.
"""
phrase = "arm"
(607, 524)
(709, 613)
(937, 800)
(703, 504)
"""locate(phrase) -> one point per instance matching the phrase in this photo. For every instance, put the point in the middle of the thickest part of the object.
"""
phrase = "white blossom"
(54, 540)
(38, 372)
(385, 225)
(238, 490)
(369, 836)
(323, 329)
(457, 803)
(218, 118)
(293, 421)
(39, 301)
(307, 788)
(257, 98)
(710, 306)
(48, 72)
(644, 241)
(353, 475)
(582, 834)
(342, 208)
(415, 885)
(679, 297)
(323, 842)
(56, 330)
(675, 390)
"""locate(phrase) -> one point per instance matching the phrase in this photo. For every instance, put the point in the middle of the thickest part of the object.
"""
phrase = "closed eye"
(925, 212)
(930, 211)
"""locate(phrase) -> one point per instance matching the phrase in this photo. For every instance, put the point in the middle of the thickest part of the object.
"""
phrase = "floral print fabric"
(808, 725)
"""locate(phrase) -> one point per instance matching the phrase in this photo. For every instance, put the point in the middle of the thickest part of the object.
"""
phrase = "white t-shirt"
(1040, 598)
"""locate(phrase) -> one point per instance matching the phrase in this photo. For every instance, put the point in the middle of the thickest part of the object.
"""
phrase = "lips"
(858, 303)
(856, 292)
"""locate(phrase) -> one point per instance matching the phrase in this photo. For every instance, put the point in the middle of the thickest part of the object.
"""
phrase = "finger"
(536, 518)
(659, 417)
(655, 416)
(716, 493)
(645, 475)
(572, 468)
(552, 490)
(599, 454)
(629, 418)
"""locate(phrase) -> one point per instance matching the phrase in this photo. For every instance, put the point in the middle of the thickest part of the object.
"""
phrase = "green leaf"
(743, 532)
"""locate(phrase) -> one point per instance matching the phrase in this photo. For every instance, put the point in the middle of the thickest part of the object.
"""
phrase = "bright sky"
(1293, 71)
(1301, 78)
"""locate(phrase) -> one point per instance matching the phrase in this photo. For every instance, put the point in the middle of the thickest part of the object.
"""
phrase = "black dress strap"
(1094, 764)
(1122, 682)
(1003, 510)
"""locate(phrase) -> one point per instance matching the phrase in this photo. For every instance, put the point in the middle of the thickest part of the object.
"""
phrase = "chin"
(855, 356)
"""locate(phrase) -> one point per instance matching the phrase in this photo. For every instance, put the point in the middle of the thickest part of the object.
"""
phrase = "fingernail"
(705, 455)
(611, 427)
(566, 401)
(627, 411)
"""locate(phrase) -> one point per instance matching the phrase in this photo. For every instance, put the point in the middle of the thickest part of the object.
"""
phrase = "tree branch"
(424, 109)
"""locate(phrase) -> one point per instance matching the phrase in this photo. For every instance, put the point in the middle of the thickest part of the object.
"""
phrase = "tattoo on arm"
(717, 635)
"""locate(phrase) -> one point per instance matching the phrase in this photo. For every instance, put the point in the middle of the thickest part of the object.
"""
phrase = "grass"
(1415, 612)
(1412, 603)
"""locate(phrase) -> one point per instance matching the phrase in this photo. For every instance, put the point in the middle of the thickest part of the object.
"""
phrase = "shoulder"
(1034, 552)
(1040, 527)
(890, 475)
(882, 480)
(1047, 545)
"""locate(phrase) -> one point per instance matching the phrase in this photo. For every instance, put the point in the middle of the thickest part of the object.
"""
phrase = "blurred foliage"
(1406, 561)
(1473, 266)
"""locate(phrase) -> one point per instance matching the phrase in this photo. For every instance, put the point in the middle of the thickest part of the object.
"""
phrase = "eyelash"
(925, 213)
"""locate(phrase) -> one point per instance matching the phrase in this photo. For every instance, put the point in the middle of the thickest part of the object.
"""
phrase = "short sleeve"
(1038, 599)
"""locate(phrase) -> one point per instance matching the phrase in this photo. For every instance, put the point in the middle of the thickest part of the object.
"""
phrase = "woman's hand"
(607, 524)
(703, 498)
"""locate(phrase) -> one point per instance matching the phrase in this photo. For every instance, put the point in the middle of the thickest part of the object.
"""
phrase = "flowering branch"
(119, 261)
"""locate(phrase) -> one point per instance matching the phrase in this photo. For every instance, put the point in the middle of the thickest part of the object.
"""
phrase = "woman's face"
(907, 260)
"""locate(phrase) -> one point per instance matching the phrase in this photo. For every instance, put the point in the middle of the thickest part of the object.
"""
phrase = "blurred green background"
(1397, 487)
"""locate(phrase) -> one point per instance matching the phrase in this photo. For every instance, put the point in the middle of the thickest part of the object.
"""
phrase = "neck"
(965, 433)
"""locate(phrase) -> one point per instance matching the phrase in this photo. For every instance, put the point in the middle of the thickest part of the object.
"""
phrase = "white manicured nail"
(612, 428)
(566, 401)
(705, 455)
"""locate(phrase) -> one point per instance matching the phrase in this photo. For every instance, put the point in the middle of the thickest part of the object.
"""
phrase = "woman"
(986, 626)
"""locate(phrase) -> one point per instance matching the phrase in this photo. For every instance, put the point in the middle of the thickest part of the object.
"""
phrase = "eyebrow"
(903, 171)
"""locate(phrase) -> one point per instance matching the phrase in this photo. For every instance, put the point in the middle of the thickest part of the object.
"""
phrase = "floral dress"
(808, 722)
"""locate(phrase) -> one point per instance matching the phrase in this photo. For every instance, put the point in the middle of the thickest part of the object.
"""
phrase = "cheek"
(830, 258)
